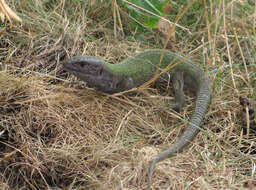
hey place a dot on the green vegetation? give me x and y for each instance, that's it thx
(145, 13)
(57, 133)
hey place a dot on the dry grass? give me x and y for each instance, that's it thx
(59, 134)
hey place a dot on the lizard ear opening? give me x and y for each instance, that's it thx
(124, 84)
(120, 84)
(100, 71)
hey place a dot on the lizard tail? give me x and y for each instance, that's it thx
(202, 102)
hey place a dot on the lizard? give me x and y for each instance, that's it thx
(140, 68)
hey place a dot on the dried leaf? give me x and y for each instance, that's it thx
(165, 27)
(5, 10)
(2, 16)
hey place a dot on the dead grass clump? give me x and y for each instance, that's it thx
(54, 133)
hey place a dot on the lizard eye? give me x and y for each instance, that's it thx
(81, 64)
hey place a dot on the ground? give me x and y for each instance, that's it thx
(57, 133)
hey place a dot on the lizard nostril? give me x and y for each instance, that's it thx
(251, 111)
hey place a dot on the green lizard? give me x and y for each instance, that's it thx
(140, 68)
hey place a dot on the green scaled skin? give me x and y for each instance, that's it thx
(138, 69)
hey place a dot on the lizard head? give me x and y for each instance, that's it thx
(96, 75)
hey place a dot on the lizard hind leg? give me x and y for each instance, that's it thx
(178, 85)
(177, 81)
